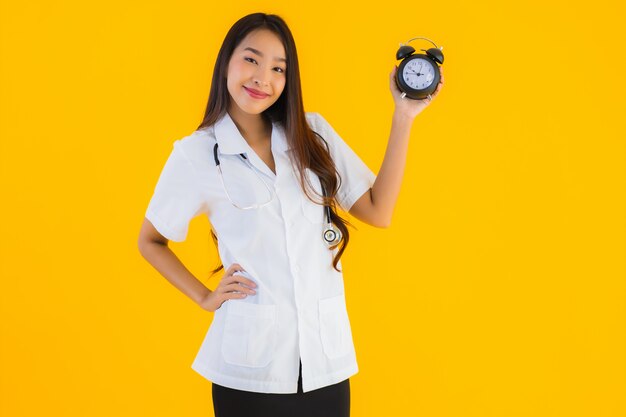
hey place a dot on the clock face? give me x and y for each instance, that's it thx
(418, 73)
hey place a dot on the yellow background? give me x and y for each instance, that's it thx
(499, 290)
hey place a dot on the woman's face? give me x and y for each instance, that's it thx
(258, 63)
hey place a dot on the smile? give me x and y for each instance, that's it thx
(255, 95)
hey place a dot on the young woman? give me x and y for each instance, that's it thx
(269, 176)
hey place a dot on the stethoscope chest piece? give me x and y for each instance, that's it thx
(332, 235)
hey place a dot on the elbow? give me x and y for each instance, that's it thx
(144, 245)
(141, 245)
(383, 225)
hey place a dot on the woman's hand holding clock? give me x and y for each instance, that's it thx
(407, 107)
(230, 287)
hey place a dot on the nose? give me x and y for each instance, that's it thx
(261, 78)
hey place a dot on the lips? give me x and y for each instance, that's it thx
(255, 93)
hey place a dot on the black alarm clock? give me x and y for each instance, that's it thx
(418, 74)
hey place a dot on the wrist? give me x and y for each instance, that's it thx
(402, 118)
(203, 296)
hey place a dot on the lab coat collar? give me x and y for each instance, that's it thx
(230, 141)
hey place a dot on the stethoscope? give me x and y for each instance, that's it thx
(331, 234)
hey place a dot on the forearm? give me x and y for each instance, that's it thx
(164, 260)
(386, 188)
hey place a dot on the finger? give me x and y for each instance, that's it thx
(233, 268)
(235, 277)
(238, 272)
(393, 72)
(226, 293)
(239, 288)
(232, 295)
(241, 279)
(393, 86)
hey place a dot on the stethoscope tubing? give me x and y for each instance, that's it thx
(331, 233)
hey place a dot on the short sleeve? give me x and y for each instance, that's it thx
(177, 197)
(356, 176)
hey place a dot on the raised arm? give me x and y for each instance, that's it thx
(376, 206)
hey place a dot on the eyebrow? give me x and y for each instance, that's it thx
(259, 53)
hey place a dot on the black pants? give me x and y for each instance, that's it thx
(329, 401)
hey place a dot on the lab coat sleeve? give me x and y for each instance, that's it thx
(356, 177)
(177, 197)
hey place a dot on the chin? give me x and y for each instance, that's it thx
(254, 109)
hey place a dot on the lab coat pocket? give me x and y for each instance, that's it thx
(249, 334)
(312, 211)
(335, 331)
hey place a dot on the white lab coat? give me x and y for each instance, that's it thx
(299, 310)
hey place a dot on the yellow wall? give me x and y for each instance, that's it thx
(498, 291)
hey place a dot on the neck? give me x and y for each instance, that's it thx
(253, 127)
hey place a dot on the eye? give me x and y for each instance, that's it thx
(247, 58)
